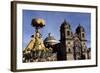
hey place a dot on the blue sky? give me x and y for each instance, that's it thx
(53, 21)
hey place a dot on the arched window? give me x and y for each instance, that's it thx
(68, 33)
(83, 35)
(69, 50)
(68, 42)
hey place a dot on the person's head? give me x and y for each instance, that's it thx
(38, 34)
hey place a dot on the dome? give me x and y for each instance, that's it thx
(65, 24)
(80, 29)
(50, 40)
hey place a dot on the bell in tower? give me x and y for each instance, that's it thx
(80, 31)
(66, 39)
(65, 31)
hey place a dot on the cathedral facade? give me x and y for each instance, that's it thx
(72, 45)
(74, 42)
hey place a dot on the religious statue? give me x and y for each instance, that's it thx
(36, 48)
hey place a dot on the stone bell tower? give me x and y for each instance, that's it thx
(80, 31)
(66, 39)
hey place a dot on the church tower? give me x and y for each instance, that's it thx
(80, 31)
(66, 39)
